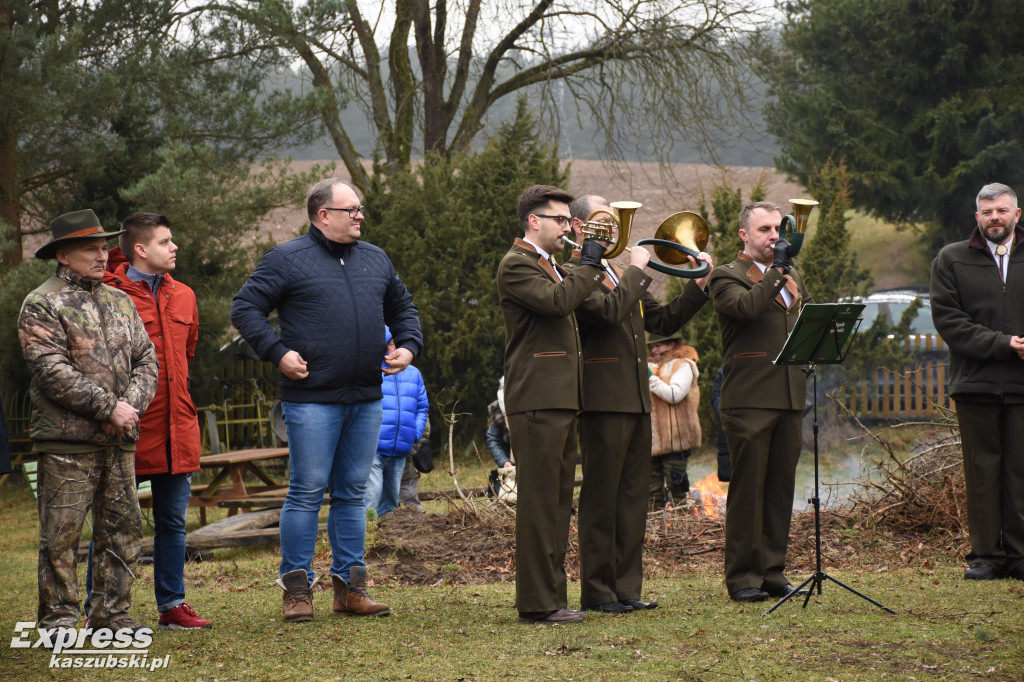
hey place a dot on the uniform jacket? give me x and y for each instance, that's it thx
(172, 323)
(332, 302)
(976, 314)
(405, 412)
(86, 348)
(543, 355)
(612, 328)
(675, 426)
(754, 323)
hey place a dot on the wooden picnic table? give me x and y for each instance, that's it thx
(233, 466)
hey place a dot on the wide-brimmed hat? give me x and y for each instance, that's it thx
(73, 227)
(677, 335)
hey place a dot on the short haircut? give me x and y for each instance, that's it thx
(537, 196)
(582, 206)
(749, 208)
(994, 190)
(138, 229)
(320, 194)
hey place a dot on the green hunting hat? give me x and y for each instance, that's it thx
(72, 227)
(655, 338)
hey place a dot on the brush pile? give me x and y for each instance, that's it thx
(921, 493)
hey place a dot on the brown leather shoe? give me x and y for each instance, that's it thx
(298, 596)
(352, 599)
(559, 617)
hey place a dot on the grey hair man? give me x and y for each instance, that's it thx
(977, 286)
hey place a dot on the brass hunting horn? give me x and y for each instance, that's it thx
(679, 235)
(612, 227)
(794, 226)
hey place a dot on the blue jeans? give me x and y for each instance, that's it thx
(170, 505)
(384, 483)
(331, 448)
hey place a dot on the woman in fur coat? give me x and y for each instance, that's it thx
(674, 423)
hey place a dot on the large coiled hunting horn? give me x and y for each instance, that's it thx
(679, 235)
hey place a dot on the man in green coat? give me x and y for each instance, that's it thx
(615, 427)
(543, 381)
(977, 300)
(757, 299)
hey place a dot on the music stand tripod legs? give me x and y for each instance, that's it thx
(819, 576)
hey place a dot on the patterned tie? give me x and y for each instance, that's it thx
(1001, 253)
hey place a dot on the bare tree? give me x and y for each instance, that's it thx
(650, 73)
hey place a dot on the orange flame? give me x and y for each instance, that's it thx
(709, 496)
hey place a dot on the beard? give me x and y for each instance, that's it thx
(997, 234)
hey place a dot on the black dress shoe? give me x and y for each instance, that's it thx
(749, 594)
(610, 607)
(980, 571)
(785, 590)
(559, 617)
(638, 605)
(1017, 572)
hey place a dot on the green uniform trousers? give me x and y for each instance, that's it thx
(764, 447)
(992, 437)
(616, 450)
(68, 485)
(546, 449)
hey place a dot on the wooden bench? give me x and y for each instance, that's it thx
(233, 466)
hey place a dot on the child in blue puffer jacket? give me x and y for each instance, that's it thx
(405, 416)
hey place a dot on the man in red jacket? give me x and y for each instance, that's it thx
(168, 449)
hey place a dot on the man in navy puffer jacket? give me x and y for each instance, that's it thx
(333, 294)
(405, 417)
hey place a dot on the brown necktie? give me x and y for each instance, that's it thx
(1000, 252)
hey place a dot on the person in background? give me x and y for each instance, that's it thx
(419, 458)
(977, 300)
(675, 426)
(405, 418)
(499, 443)
(94, 372)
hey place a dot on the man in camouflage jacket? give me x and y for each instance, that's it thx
(94, 371)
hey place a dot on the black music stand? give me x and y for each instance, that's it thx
(822, 336)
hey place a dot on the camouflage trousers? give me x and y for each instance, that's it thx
(668, 471)
(69, 485)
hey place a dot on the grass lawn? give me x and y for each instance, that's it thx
(946, 628)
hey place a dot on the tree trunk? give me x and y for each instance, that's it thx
(10, 209)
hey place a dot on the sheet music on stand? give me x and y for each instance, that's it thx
(822, 335)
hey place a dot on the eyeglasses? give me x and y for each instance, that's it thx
(351, 211)
(563, 221)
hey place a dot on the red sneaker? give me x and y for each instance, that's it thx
(182, 617)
